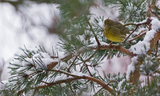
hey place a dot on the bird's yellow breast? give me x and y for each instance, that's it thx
(114, 31)
(112, 35)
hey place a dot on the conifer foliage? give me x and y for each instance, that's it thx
(84, 46)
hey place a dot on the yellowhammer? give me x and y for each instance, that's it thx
(114, 31)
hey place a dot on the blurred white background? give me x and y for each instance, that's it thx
(28, 27)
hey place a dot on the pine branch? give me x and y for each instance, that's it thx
(75, 77)
(97, 48)
(153, 42)
(117, 47)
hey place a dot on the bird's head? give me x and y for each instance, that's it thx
(108, 22)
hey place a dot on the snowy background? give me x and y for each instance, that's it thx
(27, 27)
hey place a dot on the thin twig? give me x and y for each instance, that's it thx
(154, 72)
(112, 81)
(84, 61)
(68, 70)
(71, 89)
(148, 80)
(81, 68)
(59, 71)
(130, 24)
(98, 92)
(93, 31)
(137, 25)
(69, 56)
(54, 56)
(91, 55)
(158, 88)
(44, 82)
(25, 76)
(137, 37)
(155, 14)
(103, 88)
(151, 8)
(34, 92)
(157, 49)
(85, 66)
(130, 34)
(88, 70)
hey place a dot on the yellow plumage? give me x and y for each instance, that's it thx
(114, 31)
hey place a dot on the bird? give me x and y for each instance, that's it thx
(115, 31)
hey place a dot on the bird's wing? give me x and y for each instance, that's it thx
(123, 29)
(115, 30)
